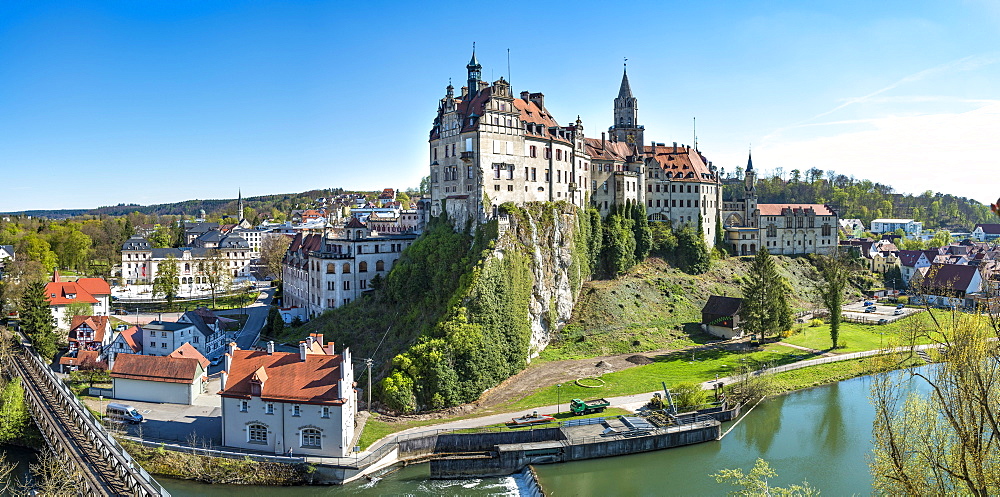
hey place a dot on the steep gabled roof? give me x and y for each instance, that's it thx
(288, 377)
(188, 351)
(989, 229)
(954, 277)
(100, 325)
(909, 258)
(723, 306)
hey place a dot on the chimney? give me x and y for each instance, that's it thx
(303, 350)
(602, 140)
(525, 95)
(228, 357)
(270, 347)
(55, 276)
(675, 147)
(465, 92)
(330, 350)
(538, 99)
(111, 361)
(222, 380)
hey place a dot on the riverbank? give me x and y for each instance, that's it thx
(217, 470)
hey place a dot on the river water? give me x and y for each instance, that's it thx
(822, 435)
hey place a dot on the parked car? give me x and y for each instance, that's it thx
(883, 321)
(897, 312)
(870, 309)
(216, 361)
(122, 413)
(900, 306)
(121, 312)
(868, 303)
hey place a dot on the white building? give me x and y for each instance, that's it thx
(325, 272)
(202, 329)
(141, 262)
(94, 292)
(289, 403)
(174, 378)
(126, 342)
(909, 226)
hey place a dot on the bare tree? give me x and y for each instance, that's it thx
(215, 271)
(272, 251)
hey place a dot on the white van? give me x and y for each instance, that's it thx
(122, 413)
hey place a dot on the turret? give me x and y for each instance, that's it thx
(475, 73)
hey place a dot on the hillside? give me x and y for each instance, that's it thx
(865, 200)
(656, 306)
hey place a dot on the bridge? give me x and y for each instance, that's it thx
(96, 460)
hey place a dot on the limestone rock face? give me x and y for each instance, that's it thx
(546, 233)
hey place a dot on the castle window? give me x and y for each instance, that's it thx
(311, 438)
(362, 267)
(330, 268)
(510, 171)
(379, 266)
(435, 154)
(346, 268)
(533, 151)
(468, 172)
(257, 433)
(533, 175)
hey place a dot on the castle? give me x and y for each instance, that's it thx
(489, 147)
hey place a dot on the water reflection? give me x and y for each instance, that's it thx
(830, 431)
(760, 434)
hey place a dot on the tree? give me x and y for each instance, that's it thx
(36, 320)
(75, 309)
(936, 428)
(162, 237)
(755, 483)
(215, 271)
(833, 270)
(765, 297)
(272, 252)
(167, 281)
(692, 252)
(14, 415)
(643, 235)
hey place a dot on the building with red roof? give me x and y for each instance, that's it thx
(785, 229)
(89, 333)
(94, 292)
(300, 403)
(126, 342)
(174, 379)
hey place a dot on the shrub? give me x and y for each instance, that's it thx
(814, 322)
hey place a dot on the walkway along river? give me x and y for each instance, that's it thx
(821, 434)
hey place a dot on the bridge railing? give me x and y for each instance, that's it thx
(126, 467)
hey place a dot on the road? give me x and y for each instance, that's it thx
(247, 337)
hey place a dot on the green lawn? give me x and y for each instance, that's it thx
(855, 337)
(671, 368)
(829, 373)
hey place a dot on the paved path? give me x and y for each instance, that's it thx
(635, 401)
(247, 337)
(807, 349)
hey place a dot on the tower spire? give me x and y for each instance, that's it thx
(475, 73)
(625, 91)
(239, 203)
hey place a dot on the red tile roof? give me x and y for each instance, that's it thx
(95, 286)
(85, 359)
(156, 368)
(187, 350)
(778, 209)
(58, 293)
(681, 164)
(99, 324)
(286, 377)
(133, 337)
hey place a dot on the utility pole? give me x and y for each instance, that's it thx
(368, 362)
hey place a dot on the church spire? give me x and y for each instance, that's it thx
(750, 161)
(625, 91)
(239, 203)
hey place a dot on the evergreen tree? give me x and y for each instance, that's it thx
(643, 235)
(833, 269)
(692, 252)
(720, 237)
(596, 238)
(619, 244)
(36, 320)
(765, 297)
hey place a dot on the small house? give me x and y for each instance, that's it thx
(721, 316)
(170, 379)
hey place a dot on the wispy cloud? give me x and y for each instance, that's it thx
(969, 63)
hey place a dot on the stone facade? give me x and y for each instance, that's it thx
(323, 272)
(488, 147)
(785, 229)
(141, 262)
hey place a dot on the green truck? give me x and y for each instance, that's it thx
(578, 406)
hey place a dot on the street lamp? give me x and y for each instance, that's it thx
(558, 398)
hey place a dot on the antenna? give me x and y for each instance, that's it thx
(508, 65)
(694, 130)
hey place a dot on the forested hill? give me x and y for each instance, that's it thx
(265, 204)
(866, 200)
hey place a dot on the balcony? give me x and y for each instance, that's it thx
(467, 156)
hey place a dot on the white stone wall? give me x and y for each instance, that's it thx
(284, 428)
(156, 391)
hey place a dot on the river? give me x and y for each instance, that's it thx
(821, 434)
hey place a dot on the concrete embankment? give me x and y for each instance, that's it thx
(488, 454)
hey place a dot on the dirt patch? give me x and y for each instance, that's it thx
(639, 360)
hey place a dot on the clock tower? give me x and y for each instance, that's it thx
(626, 126)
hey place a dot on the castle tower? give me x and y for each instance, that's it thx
(475, 73)
(750, 193)
(239, 204)
(626, 125)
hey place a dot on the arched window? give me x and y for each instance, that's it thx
(380, 266)
(330, 268)
(362, 267)
(187, 267)
(347, 268)
(257, 433)
(312, 438)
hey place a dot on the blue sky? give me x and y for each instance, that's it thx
(149, 102)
